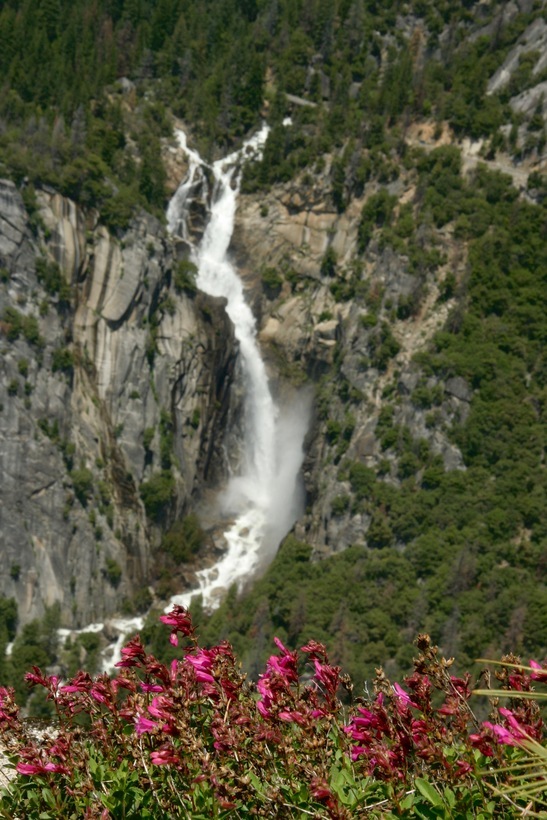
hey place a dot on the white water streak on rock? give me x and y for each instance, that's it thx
(267, 480)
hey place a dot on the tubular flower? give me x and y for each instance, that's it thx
(403, 699)
(164, 756)
(179, 618)
(81, 683)
(8, 708)
(539, 673)
(37, 678)
(132, 653)
(291, 716)
(161, 707)
(144, 724)
(203, 665)
(41, 768)
(328, 675)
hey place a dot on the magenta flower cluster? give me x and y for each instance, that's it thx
(197, 730)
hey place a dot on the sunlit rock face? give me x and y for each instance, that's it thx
(87, 368)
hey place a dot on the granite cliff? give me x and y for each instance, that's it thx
(111, 376)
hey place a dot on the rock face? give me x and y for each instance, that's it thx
(330, 323)
(109, 376)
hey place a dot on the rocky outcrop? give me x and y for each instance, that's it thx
(109, 376)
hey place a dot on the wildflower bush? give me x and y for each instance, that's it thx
(196, 739)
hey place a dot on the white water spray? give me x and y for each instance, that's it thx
(264, 496)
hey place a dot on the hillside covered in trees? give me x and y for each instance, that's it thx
(417, 130)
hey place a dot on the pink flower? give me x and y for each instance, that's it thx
(8, 708)
(463, 768)
(37, 678)
(502, 734)
(81, 683)
(291, 717)
(518, 731)
(320, 789)
(160, 707)
(102, 693)
(179, 618)
(151, 687)
(403, 697)
(281, 646)
(315, 650)
(132, 653)
(540, 672)
(164, 756)
(328, 675)
(285, 666)
(483, 744)
(126, 683)
(203, 665)
(143, 724)
(41, 768)
(29, 768)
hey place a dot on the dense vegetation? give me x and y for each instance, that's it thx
(65, 118)
(195, 739)
(460, 553)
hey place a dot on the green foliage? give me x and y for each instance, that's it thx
(22, 367)
(183, 540)
(63, 360)
(19, 325)
(272, 281)
(82, 481)
(382, 346)
(49, 274)
(377, 212)
(184, 277)
(328, 263)
(113, 572)
(35, 644)
(157, 493)
(148, 437)
(166, 439)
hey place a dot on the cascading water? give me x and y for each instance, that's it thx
(264, 497)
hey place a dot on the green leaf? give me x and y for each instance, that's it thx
(429, 792)
(450, 797)
(408, 802)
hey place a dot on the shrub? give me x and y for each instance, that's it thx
(157, 493)
(50, 275)
(184, 539)
(377, 211)
(147, 437)
(340, 504)
(82, 479)
(184, 277)
(17, 324)
(196, 739)
(113, 572)
(272, 281)
(63, 360)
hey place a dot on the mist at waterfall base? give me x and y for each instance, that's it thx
(264, 495)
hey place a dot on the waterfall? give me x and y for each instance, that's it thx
(265, 494)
